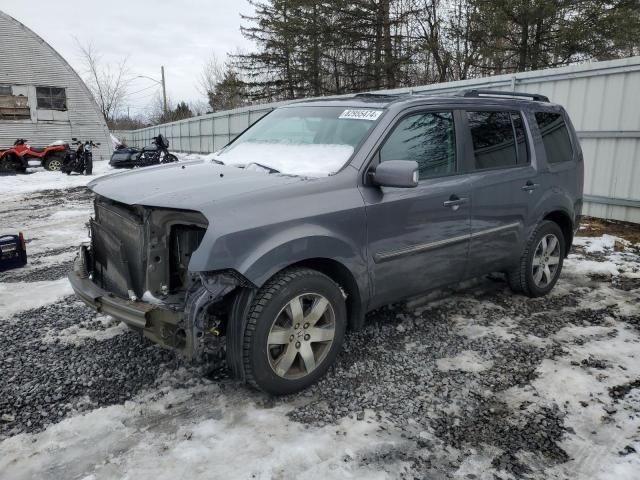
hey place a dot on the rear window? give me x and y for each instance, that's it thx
(555, 137)
(493, 136)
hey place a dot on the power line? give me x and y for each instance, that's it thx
(142, 90)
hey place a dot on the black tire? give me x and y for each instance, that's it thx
(169, 158)
(267, 307)
(6, 165)
(521, 277)
(88, 168)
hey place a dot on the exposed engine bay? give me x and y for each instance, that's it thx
(141, 255)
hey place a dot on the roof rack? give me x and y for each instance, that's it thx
(375, 95)
(478, 92)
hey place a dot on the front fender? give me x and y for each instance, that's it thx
(260, 255)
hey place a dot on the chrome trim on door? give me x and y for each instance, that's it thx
(501, 228)
(419, 248)
(424, 247)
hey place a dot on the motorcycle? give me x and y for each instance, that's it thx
(80, 161)
(17, 157)
(124, 157)
(156, 153)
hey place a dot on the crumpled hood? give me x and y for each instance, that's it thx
(185, 185)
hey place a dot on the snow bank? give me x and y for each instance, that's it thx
(200, 433)
(305, 160)
(19, 296)
(41, 179)
(599, 244)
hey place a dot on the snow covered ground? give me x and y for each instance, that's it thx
(480, 384)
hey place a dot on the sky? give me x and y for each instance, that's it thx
(179, 34)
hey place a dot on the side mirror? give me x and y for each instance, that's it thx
(396, 173)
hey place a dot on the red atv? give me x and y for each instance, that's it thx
(17, 157)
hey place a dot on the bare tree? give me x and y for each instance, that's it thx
(108, 82)
(212, 73)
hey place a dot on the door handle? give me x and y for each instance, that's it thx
(455, 202)
(530, 186)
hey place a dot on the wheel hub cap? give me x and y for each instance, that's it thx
(301, 336)
(546, 260)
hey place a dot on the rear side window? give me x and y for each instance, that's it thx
(493, 136)
(427, 138)
(555, 137)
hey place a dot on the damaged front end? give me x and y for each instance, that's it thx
(136, 270)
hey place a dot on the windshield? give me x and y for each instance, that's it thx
(308, 141)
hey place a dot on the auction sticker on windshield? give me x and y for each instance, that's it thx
(361, 114)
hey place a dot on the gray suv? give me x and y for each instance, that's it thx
(324, 210)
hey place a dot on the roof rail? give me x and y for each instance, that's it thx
(478, 92)
(378, 94)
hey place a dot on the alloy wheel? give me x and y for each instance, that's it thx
(301, 336)
(546, 259)
(54, 165)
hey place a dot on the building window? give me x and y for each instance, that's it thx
(13, 107)
(51, 98)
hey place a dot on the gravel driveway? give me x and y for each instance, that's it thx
(476, 383)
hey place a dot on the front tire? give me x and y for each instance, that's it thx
(169, 158)
(294, 331)
(541, 262)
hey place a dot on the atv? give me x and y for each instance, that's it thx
(17, 157)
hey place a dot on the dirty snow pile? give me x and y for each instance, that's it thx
(480, 383)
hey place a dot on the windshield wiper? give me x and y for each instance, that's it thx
(271, 169)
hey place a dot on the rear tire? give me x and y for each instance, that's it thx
(541, 262)
(295, 329)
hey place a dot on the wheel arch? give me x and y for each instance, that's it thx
(340, 274)
(564, 221)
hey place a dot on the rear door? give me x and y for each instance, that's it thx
(504, 186)
(418, 238)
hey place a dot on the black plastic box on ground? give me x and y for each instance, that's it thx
(13, 252)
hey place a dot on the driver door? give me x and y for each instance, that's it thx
(418, 238)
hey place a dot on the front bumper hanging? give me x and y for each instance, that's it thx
(158, 323)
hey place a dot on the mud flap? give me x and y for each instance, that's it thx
(235, 330)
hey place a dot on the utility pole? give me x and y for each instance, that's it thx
(164, 90)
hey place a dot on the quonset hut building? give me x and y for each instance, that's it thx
(42, 98)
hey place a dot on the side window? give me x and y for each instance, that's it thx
(427, 138)
(493, 138)
(555, 137)
(521, 138)
(51, 98)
